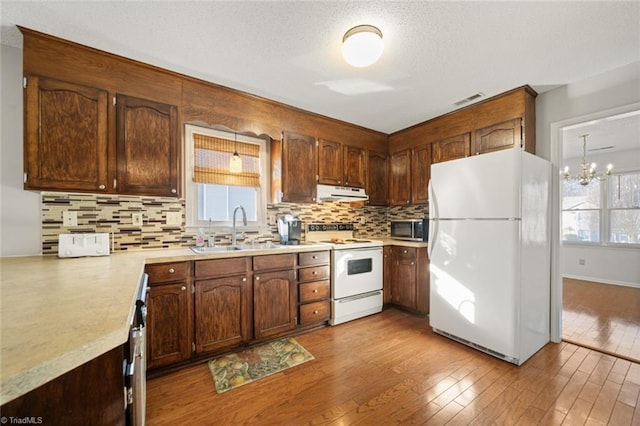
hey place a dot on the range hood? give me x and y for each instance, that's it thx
(340, 193)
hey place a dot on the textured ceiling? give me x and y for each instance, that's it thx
(436, 53)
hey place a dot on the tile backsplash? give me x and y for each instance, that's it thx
(113, 214)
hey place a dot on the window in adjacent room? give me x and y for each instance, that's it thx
(212, 190)
(606, 212)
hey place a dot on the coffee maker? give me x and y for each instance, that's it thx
(290, 229)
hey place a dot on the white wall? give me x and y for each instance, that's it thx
(19, 210)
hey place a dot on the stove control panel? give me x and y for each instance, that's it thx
(326, 227)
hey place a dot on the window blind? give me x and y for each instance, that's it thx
(211, 161)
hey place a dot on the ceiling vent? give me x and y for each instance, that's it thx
(601, 149)
(469, 99)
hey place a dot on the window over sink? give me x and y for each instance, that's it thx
(212, 189)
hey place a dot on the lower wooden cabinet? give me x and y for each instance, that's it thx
(274, 303)
(169, 324)
(314, 288)
(222, 313)
(409, 276)
(169, 314)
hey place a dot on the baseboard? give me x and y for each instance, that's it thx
(602, 281)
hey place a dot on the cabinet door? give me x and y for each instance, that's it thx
(378, 179)
(65, 136)
(329, 163)
(387, 275)
(274, 303)
(403, 290)
(400, 178)
(299, 165)
(498, 136)
(147, 145)
(420, 170)
(354, 166)
(222, 313)
(451, 148)
(169, 324)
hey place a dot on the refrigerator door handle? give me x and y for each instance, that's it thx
(433, 227)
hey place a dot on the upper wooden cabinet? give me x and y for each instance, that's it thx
(341, 165)
(420, 172)
(298, 164)
(451, 148)
(377, 178)
(65, 142)
(68, 141)
(148, 147)
(498, 136)
(400, 187)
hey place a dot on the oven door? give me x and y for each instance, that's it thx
(356, 271)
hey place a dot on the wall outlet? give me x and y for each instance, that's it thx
(69, 218)
(136, 219)
(174, 218)
(581, 262)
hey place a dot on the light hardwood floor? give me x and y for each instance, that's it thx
(602, 316)
(391, 369)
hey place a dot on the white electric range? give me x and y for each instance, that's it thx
(356, 271)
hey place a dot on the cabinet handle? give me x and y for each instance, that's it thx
(183, 288)
(101, 187)
(171, 270)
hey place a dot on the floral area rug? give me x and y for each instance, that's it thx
(237, 369)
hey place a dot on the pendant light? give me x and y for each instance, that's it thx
(362, 45)
(235, 164)
(588, 172)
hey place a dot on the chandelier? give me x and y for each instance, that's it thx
(588, 172)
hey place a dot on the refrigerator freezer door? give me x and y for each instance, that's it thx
(482, 186)
(474, 290)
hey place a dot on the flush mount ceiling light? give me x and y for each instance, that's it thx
(362, 45)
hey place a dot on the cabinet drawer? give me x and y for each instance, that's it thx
(313, 258)
(316, 290)
(274, 261)
(313, 273)
(312, 313)
(405, 254)
(223, 267)
(168, 272)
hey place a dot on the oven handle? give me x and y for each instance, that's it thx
(359, 296)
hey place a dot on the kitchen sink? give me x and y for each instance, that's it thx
(246, 247)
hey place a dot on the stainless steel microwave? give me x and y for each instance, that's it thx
(412, 230)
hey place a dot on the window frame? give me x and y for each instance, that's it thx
(191, 188)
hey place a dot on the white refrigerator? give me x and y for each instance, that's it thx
(489, 252)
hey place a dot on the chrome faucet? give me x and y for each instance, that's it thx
(244, 222)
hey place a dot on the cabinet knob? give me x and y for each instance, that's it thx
(183, 288)
(413, 263)
(173, 190)
(102, 187)
(171, 270)
(404, 251)
(257, 278)
(314, 257)
(315, 290)
(244, 280)
(314, 272)
(315, 312)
